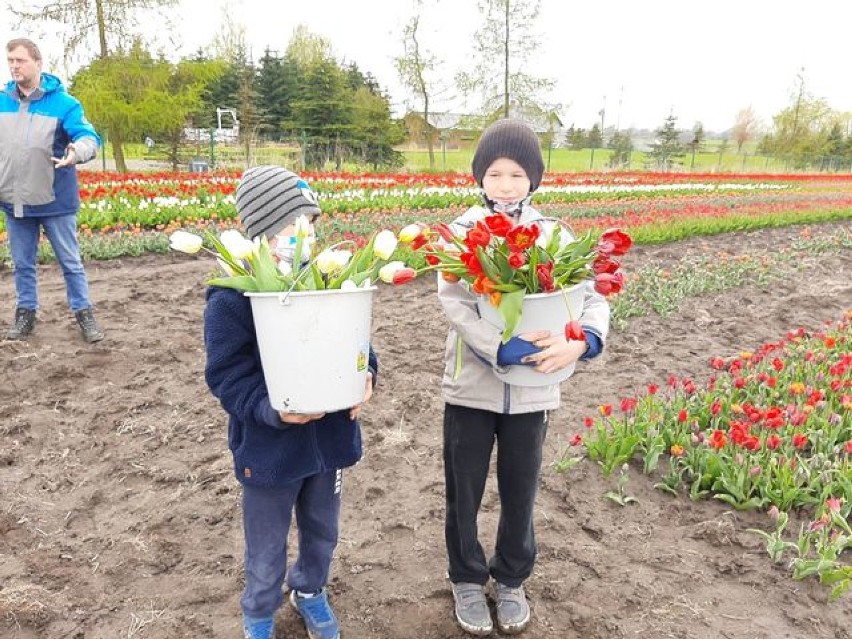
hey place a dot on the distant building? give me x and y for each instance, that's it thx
(454, 129)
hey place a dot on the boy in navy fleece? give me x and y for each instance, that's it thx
(284, 461)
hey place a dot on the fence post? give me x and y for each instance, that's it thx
(212, 154)
(303, 143)
(444, 136)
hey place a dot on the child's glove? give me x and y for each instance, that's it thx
(514, 351)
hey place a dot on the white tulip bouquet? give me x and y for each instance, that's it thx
(254, 266)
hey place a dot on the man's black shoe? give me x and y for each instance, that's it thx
(25, 321)
(89, 326)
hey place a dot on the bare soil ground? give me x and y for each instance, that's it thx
(120, 517)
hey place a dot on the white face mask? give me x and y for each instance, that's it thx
(511, 209)
(508, 208)
(285, 248)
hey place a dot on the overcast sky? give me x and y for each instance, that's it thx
(640, 59)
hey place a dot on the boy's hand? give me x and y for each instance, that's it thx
(535, 336)
(556, 353)
(299, 418)
(368, 393)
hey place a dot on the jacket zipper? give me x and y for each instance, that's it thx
(507, 397)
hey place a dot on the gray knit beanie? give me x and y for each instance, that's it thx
(270, 198)
(509, 139)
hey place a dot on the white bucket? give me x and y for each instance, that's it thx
(314, 346)
(541, 311)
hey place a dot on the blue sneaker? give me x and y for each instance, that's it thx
(318, 616)
(259, 628)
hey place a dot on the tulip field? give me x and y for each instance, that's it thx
(132, 213)
(697, 480)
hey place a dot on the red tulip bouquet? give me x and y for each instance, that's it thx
(506, 262)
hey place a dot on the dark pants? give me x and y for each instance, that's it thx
(469, 436)
(266, 522)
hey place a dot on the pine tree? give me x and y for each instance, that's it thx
(667, 152)
(622, 147)
(271, 93)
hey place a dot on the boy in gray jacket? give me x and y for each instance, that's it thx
(481, 409)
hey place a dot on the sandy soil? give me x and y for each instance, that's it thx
(119, 514)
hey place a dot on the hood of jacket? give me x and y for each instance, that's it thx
(49, 84)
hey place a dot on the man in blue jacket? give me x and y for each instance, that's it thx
(43, 134)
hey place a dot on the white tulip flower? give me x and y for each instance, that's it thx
(348, 285)
(303, 226)
(185, 242)
(225, 267)
(285, 268)
(238, 246)
(384, 244)
(387, 272)
(332, 260)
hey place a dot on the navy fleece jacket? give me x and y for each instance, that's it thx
(267, 452)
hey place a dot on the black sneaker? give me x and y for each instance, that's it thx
(89, 326)
(25, 321)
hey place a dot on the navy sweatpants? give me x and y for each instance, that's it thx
(267, 514)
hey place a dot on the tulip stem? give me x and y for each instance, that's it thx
(567, 305)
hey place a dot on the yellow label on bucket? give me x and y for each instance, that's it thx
(363, 358)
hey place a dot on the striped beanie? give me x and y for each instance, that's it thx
(511, 139)
(270, 198)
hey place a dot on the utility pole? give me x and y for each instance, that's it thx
(600, 113)
(618, 113)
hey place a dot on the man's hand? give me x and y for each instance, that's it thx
(368, 393)
(69, 159)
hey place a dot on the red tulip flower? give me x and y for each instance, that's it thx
(617, 239)
(404, 275)
(718, 439)
(471, 261)
(520, 238)
(517, 260)
(499, 225)
(544, 272)
(609, 283)
(479, 235)
(445, 232)
(604, 264)
(574, 332)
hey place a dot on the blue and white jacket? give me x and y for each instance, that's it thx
(32, 130)
(267, 452)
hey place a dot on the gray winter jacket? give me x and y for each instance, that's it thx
(32, 130)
